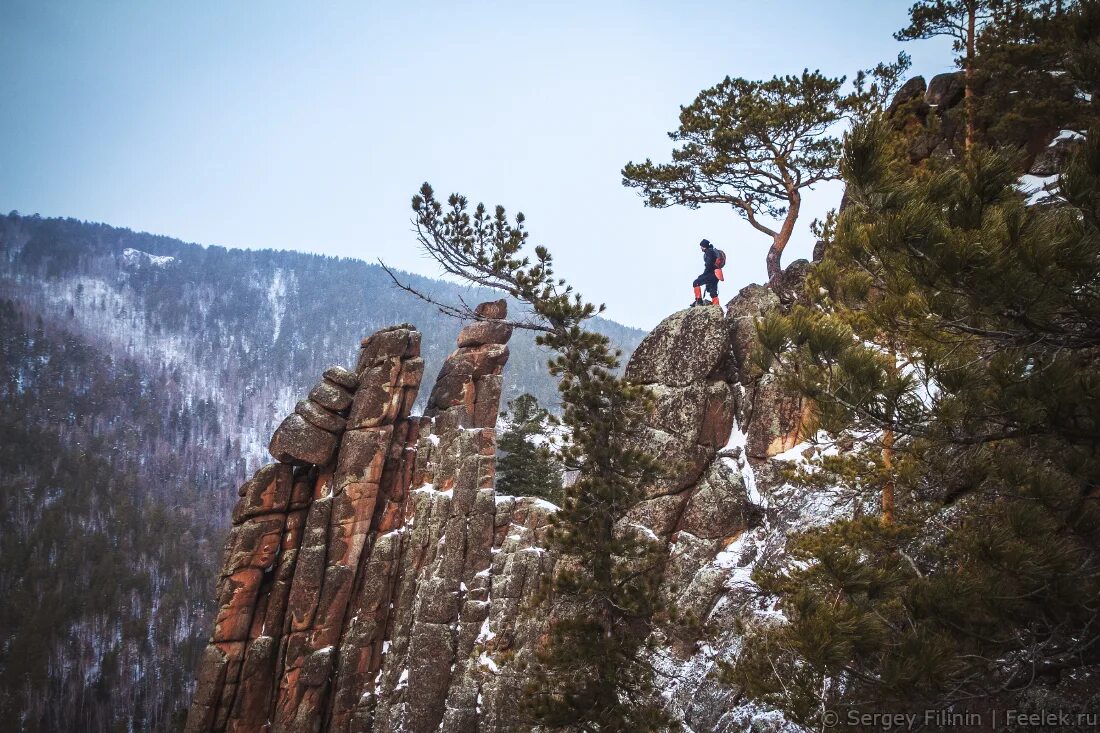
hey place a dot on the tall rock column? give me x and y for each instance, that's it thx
(239, 668)
(443, 579)
(389, 373)
(685, 362)
(300, 528)
(347, 600)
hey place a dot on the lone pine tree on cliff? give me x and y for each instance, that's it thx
(751, 145)
(594, 673)
(757, 145)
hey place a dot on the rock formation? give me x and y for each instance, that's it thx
(374, 580)
(925, 110)
(354, 559)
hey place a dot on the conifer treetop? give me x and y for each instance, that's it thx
(756, 145)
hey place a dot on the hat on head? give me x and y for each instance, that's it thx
(704, 243)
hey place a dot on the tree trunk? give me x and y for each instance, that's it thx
(888, 456)
(779, 241)
(968, 72)
(888, 487)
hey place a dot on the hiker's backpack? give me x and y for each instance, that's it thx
(719, 263)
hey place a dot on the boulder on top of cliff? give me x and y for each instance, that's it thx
(389, 343)
(342, 377)
(296, 440)
(493, 309)
(481, 353)
(945, 90)
(480, 333)
(684, 348)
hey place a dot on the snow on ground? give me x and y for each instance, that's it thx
(805, 508)
(543, 504)
(740, 465)
(787, 509)
(486, 661)
(485, 634)
(118, 320)
(430, 489)
(1066, 135)
(1037, 188)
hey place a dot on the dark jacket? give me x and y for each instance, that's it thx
(710, 255)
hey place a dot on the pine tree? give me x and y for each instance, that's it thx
(753, 146)
(987, 581)
(593, 673)
(1024, 69)
(757, 145)
(1017, 59)
(527, 466)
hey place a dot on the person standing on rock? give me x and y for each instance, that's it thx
(714, 260)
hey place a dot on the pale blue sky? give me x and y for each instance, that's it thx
(309, 126)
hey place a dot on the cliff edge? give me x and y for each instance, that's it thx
(375, 581)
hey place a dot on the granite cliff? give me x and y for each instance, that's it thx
(375, 581)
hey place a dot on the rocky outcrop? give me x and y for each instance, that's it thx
(356, 573)
(945, 90)
(685, 362)
(292, 560)
(772, 418)
(375, 581)
(932, 115)
(685, 348)
(911, 91)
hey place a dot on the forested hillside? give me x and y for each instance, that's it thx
(105, 553)
(139, 380)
